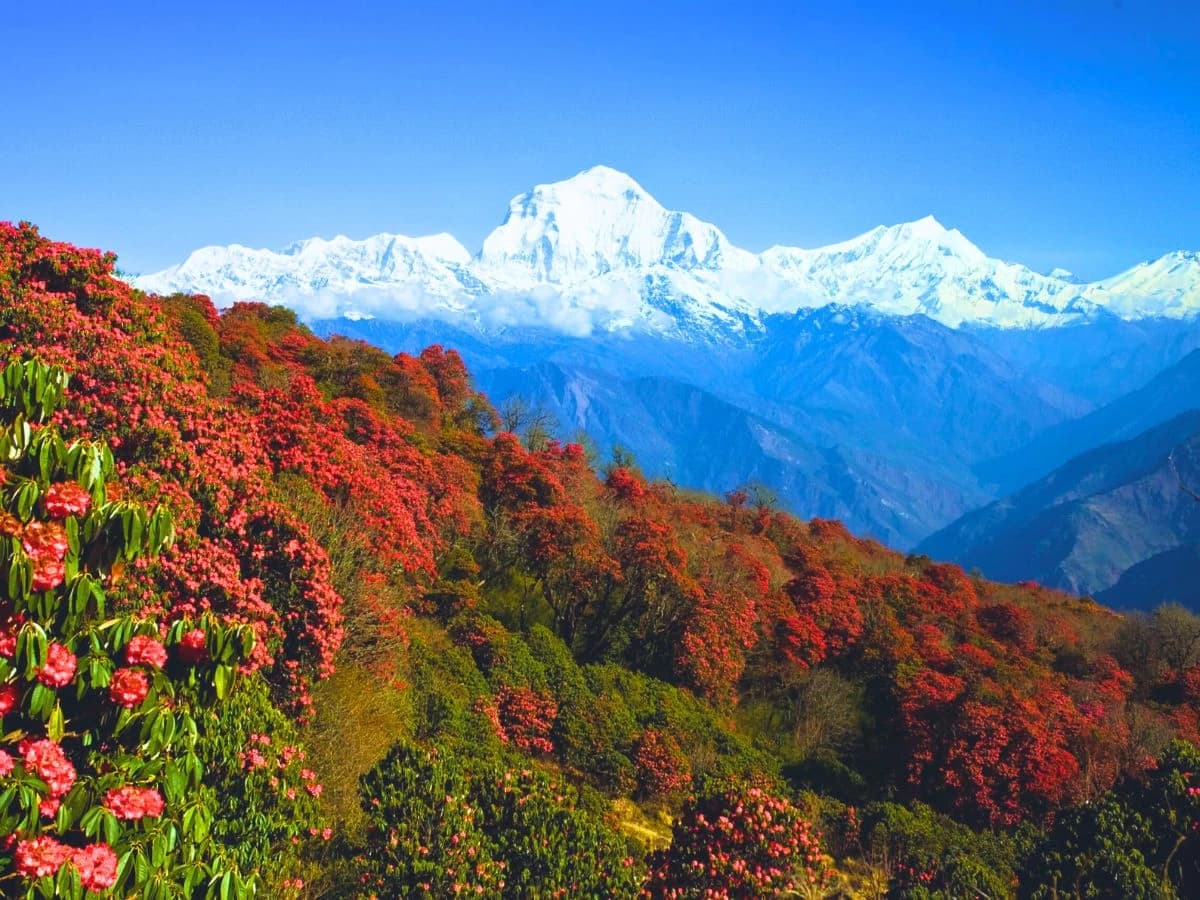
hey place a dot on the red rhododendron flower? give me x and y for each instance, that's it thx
(193, 646)
(48, 575)
(8, 698)
(40, 857)
(59, 668)
(6, 763)
(67, 499)
(147, 651)
(131, 803)
(97, 865)
(47, 760)
(129, 687)
(45, 541)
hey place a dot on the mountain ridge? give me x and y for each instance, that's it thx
(597, 253)
(1086, 523)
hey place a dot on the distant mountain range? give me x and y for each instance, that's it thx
(899, 380)
(1088, 523)
(597, 253)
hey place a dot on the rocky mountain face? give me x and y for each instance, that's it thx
(1088, 523)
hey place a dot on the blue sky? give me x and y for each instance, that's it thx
(1049, 133)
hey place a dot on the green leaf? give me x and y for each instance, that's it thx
(223, 680)
(56, 725)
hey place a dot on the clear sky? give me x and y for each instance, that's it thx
(1049, 133)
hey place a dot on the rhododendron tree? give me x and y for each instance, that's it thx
(738, 843)
(662, 769)
(101, 788)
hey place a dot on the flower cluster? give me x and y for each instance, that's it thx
(47, 760)
(42, 856)
(66, 499)
(46, 545)
(129, 687)
(143, 650)
(132, 803)
(59, 669)
(739, 844)
(193, 646)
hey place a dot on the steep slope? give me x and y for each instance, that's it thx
(1088, 522)
(487, 625)
(1167, 577)
(1170, 393)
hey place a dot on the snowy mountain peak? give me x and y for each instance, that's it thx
(926, 227)
(929, 231)
(598, 222)
(1167, 286)
(600, 181)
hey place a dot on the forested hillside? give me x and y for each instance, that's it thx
(293, 617)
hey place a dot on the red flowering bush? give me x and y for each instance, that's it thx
(139, 389)
(527, 718)
(662, 769)
(738, 843)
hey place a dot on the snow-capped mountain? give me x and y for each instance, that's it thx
(597, 253)
(319, 277)
(599, 222)
(1167, 286)
(924, 268)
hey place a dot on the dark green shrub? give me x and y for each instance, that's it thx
(930, 855)
(444, 826)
